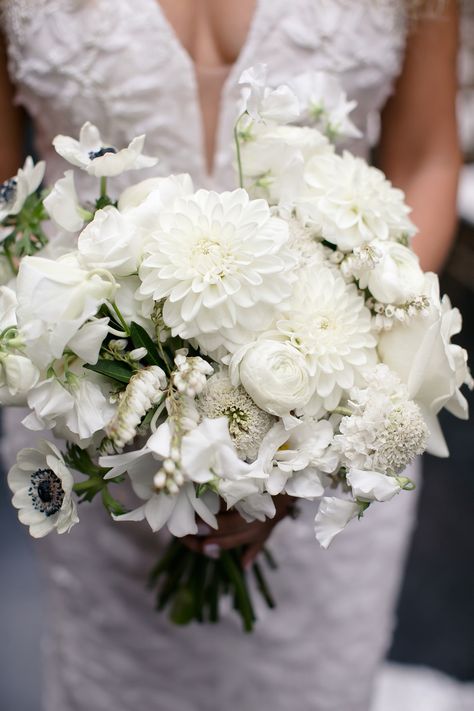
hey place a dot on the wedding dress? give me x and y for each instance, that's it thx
(120, 65)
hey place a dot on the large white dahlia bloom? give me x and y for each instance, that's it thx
(221, 263)
(328, 322)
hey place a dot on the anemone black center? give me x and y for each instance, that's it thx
(8, 191)
(101, 152)
(46, 491)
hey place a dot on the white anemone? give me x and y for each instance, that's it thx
(13, 192)
(221, 263)
(42, 490)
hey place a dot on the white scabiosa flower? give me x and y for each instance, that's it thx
(386, 430)
(221, 264)
(144, 390)
(353, 203)
(333, 516)
(42, 490)
(63, 205)
(328, 323)
(101, 159)
(13, 192)
(247, 423)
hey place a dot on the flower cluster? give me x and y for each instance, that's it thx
(210, 348)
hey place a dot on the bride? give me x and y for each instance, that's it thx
(170, 69)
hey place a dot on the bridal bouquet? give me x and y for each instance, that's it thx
(212, 351)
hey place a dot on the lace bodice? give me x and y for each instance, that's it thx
(120, 65)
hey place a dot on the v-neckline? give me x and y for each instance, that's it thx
(235, 69)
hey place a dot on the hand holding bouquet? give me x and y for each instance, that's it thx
(219, 350)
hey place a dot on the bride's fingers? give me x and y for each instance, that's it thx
(251, 553)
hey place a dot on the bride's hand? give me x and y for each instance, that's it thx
(234, 531)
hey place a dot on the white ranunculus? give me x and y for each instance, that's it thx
(110, 242)
(222, 266)
(42, 490)
(323, 103)
(13, 192)
(17, 376)
(263, 103)
(98, 158)
(353, 203)
(421, 353)
(63, 205)
(274, 374)
(333, 516)
(372, 486)
(55, 298)
(397, 277)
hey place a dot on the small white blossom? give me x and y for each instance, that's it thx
(263, 103)
(98, 158)
(13, 192)
(63, 205)
(42, 488)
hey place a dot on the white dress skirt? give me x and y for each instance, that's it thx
(123, 68)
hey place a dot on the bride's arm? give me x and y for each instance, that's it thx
(419, 147)
(11, 123)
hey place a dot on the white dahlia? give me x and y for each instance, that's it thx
(353, 203)
(329, 323)
(222, 266)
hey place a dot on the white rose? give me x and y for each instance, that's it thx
(433, 368)
(274, 374)
(397, 277)
(110, 242)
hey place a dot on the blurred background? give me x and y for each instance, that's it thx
(431, 662)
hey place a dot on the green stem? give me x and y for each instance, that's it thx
(237, 150)
(121, 319)
(103, 187)
(8, 255)
(236, 577)
(262, 586)
(342, 411)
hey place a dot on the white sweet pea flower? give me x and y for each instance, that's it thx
(262, 103)
(63, 204)
(421, 353)
(208, 452)
(42, 490)
(274, 374)
(142, 203)
(132, 308)
(111, 242)
(97, 158)
(333, 516)
(13, 192)
(324, 104)
(372, 486)
(56, 298)
(396, 277)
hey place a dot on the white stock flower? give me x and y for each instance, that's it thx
(372, 486)
(55, 298)
(396, 277)
(274, 159)
(221, 264)
(333, 516)
(353, 203)
(97, 158)
(248, 424)
(328, 322)
(42, 490)
(421, 353)
(63, 205)
(274, 374)
(110, 242)
(263, 103)
(13, 192)
(323, 103)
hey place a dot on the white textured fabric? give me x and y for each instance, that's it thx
(119, 65)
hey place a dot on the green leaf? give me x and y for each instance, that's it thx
(112, 369)
(141, 339)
